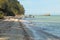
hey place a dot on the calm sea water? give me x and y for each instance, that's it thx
(50, 24)
(45, 19)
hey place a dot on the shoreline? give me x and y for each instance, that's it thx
(20, 25)
(28, 32)
(49, 34)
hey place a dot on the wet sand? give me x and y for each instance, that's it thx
(16, 29)
(12, 29)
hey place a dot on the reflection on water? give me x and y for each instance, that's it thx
(49, 24)
(49, 27)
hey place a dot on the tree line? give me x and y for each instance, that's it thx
(11, 8)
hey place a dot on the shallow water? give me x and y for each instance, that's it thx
(44, 19)
(50, 24)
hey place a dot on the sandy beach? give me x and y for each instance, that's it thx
(11, 28)
(18, 29)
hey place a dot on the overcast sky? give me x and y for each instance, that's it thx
(39, 7)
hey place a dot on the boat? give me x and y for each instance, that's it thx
(48, 14)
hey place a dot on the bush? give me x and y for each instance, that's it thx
(11, 7)
(1, 15)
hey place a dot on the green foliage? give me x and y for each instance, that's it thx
(11, 7)
(1, 15)
(22, 9)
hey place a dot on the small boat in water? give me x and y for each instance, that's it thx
(48, 14)
(29, 16)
